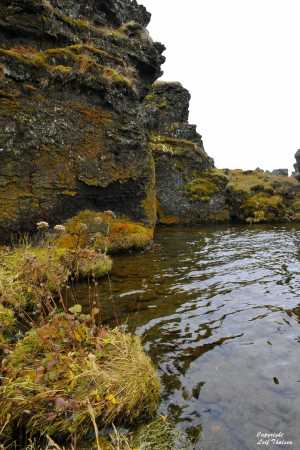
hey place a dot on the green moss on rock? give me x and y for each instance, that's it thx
(205, 186)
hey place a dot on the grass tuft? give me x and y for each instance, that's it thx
(59, 371)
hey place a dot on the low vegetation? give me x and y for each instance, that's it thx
(32, 277)
(104, 232)
(174, 146)
(66, 374)
(63, 377)
(258, 196)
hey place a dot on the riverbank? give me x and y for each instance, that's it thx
(64, 376)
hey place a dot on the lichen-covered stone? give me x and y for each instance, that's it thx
(72, 133)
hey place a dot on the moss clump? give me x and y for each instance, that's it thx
(105, 232)
(205, 186)
(64, 373)
(262, 207)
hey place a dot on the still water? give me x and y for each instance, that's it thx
(218, 310)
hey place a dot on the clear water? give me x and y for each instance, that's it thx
(218, 310)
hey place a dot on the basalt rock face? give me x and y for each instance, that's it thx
(72, 124)
(297, 165)
(181, 161)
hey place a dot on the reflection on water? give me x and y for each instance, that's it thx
(219, 313)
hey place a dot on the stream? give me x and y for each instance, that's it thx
(218, 310)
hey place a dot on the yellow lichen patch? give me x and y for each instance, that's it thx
(169, 220)
(65, 373)
(165, 219)
(105, 232)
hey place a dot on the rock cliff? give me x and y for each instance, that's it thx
(181, 161)
(72, 132)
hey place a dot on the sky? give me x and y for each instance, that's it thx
(240, 59)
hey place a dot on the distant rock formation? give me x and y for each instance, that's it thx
(297, 165)
(281, 172)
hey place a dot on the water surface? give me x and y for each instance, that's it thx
(218, 310)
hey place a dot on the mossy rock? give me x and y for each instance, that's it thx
(104, 231)
(203, 187)
(65, 373)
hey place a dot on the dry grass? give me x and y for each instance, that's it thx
(62, 369)
(31, 278)
(160, 434)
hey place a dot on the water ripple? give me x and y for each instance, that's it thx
(219, 312)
